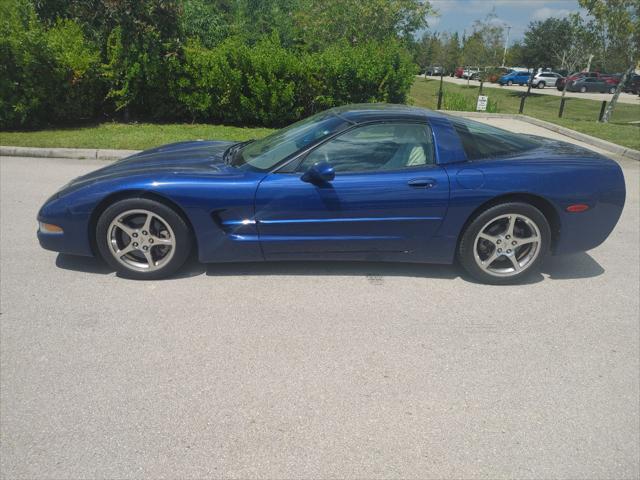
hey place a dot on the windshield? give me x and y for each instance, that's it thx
(266, 153)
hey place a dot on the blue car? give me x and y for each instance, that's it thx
(364, 182)
(515, 77)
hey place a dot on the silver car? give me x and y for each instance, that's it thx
(545, 79)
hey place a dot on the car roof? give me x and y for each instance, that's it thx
(372, 112)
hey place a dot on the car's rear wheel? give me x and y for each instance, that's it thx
(505, 243)
(509, 83)
(143, 239)
(583, 89)
(541, 85)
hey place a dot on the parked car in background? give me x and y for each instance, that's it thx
(545, 79)
(612, 79)
(632, 85)
(560, 84)
(434, 70)
(515, 77)
(469, 72)
(458, 72)
(494, 74)
(591, 84)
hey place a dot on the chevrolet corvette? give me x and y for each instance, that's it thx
(371, 182)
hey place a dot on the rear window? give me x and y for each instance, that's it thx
(484, 141)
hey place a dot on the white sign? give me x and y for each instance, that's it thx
(482, 103)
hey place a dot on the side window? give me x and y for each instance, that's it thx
(484, 141)
(388, 146)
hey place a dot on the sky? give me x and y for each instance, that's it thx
(459, 15)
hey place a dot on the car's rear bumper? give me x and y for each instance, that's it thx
(584, 231)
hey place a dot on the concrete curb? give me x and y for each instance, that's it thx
(567, 132)
(105, 154)
(76, 153)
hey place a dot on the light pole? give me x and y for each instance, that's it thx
(506, 44)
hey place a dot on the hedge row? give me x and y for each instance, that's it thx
(56, 75)
(268, 85)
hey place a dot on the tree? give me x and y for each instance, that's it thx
(545, 43)
(325, 22)
(516, 54)
(204, 21)
(428, 51)
(142, 43)
(485, 44)
(619, 20)
(451, 51)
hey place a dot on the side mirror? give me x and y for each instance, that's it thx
(319, 172)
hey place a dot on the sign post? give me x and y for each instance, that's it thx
(482, 103)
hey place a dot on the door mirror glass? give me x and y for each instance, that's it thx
(319, 172)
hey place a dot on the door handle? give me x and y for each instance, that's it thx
(422, 183)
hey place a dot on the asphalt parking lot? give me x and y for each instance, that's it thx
(313, 370)
(623, 98)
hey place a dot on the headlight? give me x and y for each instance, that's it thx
(49, 228)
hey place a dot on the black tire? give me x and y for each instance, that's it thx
(181, 237)
(509, 83)
(542, 85)
(583, 89)
(466, 253)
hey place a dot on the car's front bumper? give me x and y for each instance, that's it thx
(74, 238)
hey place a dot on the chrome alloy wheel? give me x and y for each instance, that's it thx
(507, 245)
(141, 240)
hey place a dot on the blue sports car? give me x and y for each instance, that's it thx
(361, 182)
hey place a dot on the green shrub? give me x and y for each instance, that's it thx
(77, 62)
(46, 76)
(269, 85)
(139, 71)
(143, 70)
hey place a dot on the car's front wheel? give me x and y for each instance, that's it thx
(143, 239)
(542, 85)
(505, 243)
(509, 83)
(583, 89)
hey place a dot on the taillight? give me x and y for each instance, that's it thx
(577, 208)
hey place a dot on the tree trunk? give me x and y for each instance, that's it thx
(612, 104)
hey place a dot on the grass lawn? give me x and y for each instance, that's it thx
(579, 114)
(127, 136)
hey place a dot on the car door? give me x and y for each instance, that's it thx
(593, 84)
(387, 199)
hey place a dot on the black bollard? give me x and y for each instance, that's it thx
(526, 94)
(440, 91)
(602, 108)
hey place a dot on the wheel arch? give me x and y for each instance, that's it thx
(542, 204)
(133, 193)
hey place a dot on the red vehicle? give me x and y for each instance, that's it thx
(611, 79)
(458, 72)
(560, 84)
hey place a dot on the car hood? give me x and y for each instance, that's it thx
(174, 157)
(197, 156)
